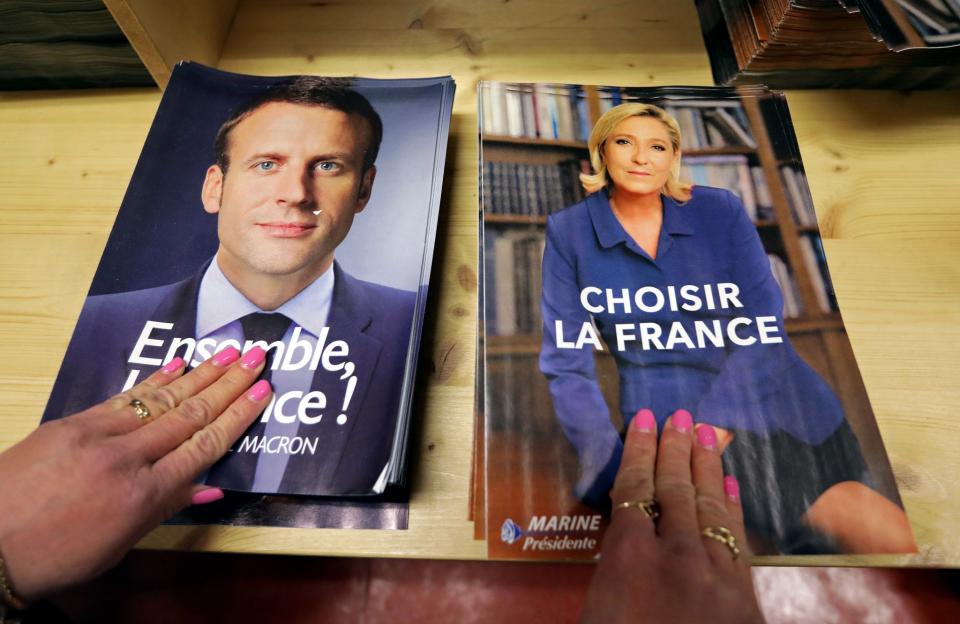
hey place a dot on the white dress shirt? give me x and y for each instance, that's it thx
(220, 307)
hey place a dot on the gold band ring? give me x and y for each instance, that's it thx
(143, 413)
(725, 537)
(650, 508)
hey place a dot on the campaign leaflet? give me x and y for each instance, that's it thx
(726, 312)
(299, 214)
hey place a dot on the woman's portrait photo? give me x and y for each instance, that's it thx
(682, 283)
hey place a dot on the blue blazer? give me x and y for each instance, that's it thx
(709, 239)
(374, 320)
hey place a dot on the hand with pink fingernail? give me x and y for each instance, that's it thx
(78, 492)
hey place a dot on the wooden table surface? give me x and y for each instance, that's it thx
(882, 167)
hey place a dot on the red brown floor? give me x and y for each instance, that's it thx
(186, 588)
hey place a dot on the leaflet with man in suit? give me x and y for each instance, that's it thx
(297, 214)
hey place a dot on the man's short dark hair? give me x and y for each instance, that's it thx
(332, 93)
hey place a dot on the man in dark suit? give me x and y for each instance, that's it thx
(293, 167)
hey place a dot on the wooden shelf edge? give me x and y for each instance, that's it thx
(528, 141)
(499, 217)
(514, 219)
(719, 151)
(163, 35)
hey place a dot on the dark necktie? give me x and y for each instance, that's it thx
(238, 470)
(266, 327)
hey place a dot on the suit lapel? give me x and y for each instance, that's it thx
(179, 308)
(348, 319)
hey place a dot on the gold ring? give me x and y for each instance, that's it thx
(649, 507)
(725, 537)
(143, 413)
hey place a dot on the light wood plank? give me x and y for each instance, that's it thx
(164, 33)
(882, 167)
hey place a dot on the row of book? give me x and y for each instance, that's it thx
(905, 44)
(512, 188)
(792, 304)
(815, 263)
(736, 174)
(512, 261)
(556, 112)
(798, 196)
(531, 189)
(562, 113)
(815, 260)
(712, 124)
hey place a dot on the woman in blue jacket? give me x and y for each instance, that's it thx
(675, 280)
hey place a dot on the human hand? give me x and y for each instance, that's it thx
(78, 492)
(667, 570)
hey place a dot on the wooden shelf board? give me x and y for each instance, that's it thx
(531, 142)
(889, 235)
(500, 218)
(720, 151)
(514, 219)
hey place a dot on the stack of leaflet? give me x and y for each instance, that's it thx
(902, 44)
(524, 498)
(65, 44)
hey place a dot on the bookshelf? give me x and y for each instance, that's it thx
(782, 222)
(892, 242)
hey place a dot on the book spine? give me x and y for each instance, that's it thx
(764, 199)
(565, 113)
(486, 109)
(816, 276)
(498, 108)
(529, 113)
(747, 194)
(544, 115)
(583, 116)
(506, 312)
(514, 112)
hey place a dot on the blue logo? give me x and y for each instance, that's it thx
(510, 531)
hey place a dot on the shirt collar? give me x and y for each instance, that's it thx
(611, 233)
(220, 303)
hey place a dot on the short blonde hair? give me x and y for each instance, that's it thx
(674, 188)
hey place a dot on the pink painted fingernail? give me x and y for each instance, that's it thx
(253, 358)
(226, 357)
(259, 390)
(707, 437)
(173, 365)
(207, 496)
(644, 421)
(682, 420)
(731, 488)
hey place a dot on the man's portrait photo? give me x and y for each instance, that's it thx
(297, 214)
